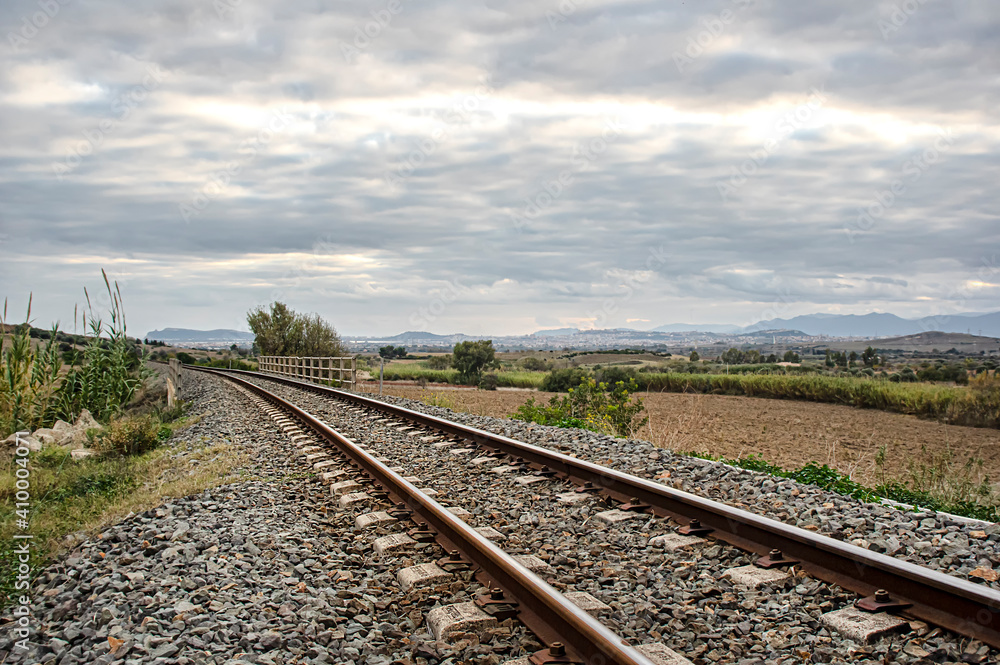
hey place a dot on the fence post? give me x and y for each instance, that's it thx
(173, 381)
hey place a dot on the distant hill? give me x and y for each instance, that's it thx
(885, 325)
(928, 341)
(418, 336)
(723, 328)
(557, 332)
(188, 336)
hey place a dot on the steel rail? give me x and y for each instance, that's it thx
(544, 610)
(950, 602)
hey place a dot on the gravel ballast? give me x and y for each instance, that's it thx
(681, 598)
(259, 571)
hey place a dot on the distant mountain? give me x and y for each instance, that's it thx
(723, 328)
(885, 325)
(186, 335)
(418, 336)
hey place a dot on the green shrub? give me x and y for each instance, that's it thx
(488, 382)
(439, 362)
(561, 380)
(614, 374)
(132, 435)
(533, 364)
(590, 405)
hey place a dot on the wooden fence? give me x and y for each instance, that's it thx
(317, 370)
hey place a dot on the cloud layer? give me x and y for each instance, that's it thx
(498, 167)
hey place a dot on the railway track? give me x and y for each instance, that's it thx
(888, 586)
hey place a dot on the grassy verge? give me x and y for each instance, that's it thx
(511, 379)
(944, 485)
(80, 497)
(977, 405)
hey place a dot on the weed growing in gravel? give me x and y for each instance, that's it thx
(942, 485)
(132, 435)
(439, 400)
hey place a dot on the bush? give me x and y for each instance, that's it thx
(488, 382)
(590, 405)
(130, 436)
(614, 374)
(533, 364)
(561, 380)
(439, 362)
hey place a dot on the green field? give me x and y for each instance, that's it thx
(977, 405)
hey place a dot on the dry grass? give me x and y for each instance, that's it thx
(75, 500)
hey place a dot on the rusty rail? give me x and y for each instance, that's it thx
(950, 602)
(545, 611)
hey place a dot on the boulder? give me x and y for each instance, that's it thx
(62, 427)
(26, 439)
(81, 453)
(86, 421)
(47, 436)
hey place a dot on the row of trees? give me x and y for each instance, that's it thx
(280, 331)
(735, 356)
(869, 358)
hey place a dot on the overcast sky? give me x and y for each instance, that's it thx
(500, 166)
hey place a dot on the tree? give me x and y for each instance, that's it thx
(388, 352)
(694, 357)
(471, 358)
(853, 358)
(733, 356)
(791, 357)
(319, 338)
(869, 357)
(279, 331)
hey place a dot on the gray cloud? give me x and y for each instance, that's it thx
(401, 171)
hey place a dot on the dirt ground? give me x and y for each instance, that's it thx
(788, 433)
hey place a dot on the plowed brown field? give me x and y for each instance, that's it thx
(785, 432)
